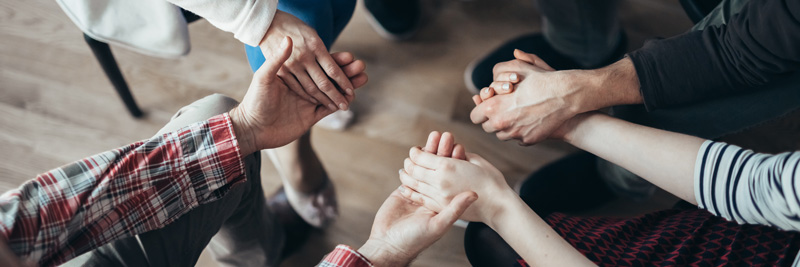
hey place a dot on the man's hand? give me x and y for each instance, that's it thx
(271, 115)
(402, 229)
(307, 70)
(539, 99)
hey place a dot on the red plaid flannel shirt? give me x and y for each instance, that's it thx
(344, 256)
(127, 191)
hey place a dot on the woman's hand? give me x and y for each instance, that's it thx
(435, 180)
(402, 229)
(310, 71)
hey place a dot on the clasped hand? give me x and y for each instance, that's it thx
(528, 100)
(271, 115)
(310, 71)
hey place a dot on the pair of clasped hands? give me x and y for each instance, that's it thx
(441, 182)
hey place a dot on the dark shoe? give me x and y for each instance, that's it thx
(571, 184)
(394, 19)
(295, 229)
(479, 73)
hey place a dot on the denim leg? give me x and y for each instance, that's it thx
(327, 17)
(587, 31)
(709, 119)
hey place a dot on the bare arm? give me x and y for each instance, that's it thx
(666, 159)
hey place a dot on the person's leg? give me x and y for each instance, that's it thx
(244, 232)
(395, 20)
(576, 34)
(303, 175)
(586, 31)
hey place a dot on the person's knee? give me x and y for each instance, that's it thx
(219, 103)
(484, 247)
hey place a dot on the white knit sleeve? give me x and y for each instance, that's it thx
(248, 20)
(749, 187)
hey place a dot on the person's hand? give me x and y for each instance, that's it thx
(310, 71)
(402, 228)
(542, 100)
(270, 115)
(435, 180)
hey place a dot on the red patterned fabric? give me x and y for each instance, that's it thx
(126, 191)
(344, 256)
(676, 237)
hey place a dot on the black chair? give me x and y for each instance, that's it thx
(106, 59)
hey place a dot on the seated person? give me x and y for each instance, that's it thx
(160, 201)
(710, 82)
(747, 211)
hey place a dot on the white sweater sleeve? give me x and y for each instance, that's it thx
(749, 187)
(248, 20)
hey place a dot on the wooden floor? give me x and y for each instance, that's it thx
(56, 105)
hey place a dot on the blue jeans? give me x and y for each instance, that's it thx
(327, 17)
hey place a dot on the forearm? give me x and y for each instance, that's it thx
(248, 20)
(616, 84)
(532, 238)
(666, 159)
(123, 192)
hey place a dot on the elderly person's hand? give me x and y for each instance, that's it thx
(310, 71)
(271, 115)
(402, 228)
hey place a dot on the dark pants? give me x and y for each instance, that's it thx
(587, 31)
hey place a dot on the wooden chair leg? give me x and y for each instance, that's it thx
(106, 59)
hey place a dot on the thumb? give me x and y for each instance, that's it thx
(532, 59)
(269, 70)
(450, 214)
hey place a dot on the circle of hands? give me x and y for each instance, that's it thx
(441, 182)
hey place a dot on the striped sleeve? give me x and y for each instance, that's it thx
(748, 187)
(344, 256)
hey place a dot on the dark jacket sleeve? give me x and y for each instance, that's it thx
(759, 44)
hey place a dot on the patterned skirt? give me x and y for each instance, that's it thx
(676, 237)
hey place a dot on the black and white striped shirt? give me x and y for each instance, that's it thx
(748, 187)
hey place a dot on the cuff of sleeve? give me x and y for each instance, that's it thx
(699, 173)
(345, 256)
(257, 22)
(646, 71)
(213, 160)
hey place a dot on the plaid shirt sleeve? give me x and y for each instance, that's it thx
(127, 191)
(344, 256)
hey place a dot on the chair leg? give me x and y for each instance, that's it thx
(106, 59)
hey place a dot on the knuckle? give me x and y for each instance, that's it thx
(316, 44)
(325, 85)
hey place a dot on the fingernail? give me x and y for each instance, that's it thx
(513, 77)
(486, 90)
(402, 189)
(505, 87)
(349, 91)
(332, 107)
(400, 171)
(342, 106)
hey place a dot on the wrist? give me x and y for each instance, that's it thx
(382, 254)
(615, 84)
(503, 204)
(243, 132)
